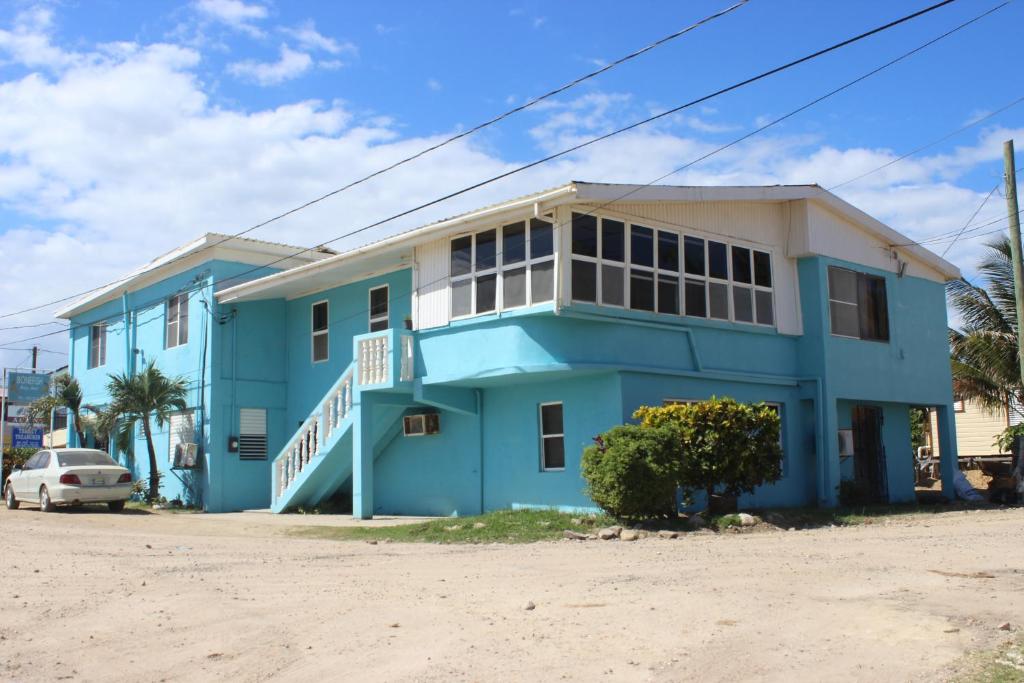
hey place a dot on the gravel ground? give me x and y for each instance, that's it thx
(178, 597)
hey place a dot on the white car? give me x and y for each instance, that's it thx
(68, 476)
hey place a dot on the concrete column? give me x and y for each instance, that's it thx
(828, 457)
(362, 458)
(948, 460)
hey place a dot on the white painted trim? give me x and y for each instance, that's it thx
(544, 437)
(369, 308)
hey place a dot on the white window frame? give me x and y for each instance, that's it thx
(98, 331)
(176, 300)
(313, 333)
(500, 267)
(241, 434)
(681, 275)
(386, 317)
(544, 437)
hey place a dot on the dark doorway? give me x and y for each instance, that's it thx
(869, 453)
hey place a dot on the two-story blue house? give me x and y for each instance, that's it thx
(464, 366)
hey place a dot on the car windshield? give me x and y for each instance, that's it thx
(78, 458)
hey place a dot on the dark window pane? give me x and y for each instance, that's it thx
(765, 312)
(486, 288)
(514, 288)
(584, 234)
(668, 251)
(641, 290)
(485, 249)
(379, 325)
(551, 418)
(642, 246)
(462, 256)
(462, 298)
(612, 285)
(540, 238)
(613, 240)
(378, 301)
(874, 316)
(584, 281)
(842, 285)
(844, 319)
(554, 453)
(762, 269)
(743, 304)
(319, 347)
(542, 282)
(718, 265)
(718, 299)
(741, 265)
(183, 319)
(320, 316)
(668, 294)
(696, 306)
(694, 254)
(513, 243)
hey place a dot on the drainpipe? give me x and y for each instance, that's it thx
(480, 431)
(129, 336)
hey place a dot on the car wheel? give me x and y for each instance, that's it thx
(116, 505)
(12, 502)
(45, 504)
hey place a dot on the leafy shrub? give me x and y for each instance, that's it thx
(721, 444)
(633, 472)
(15, 456)
(1004, 442)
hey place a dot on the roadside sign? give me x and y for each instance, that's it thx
(27, 437)
(25, 387)
(17, 414)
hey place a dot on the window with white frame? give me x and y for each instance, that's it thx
(252, 434)
(177, 320)
(502, 268)
(624, 264)
(181, 429)
(552, 437)
(98, 345)
(319, 328)
(379, 308)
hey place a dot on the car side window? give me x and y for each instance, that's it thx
(44, 461)
(30, 464)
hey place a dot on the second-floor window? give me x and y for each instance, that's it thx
(379, 308)
(628, 265)
(503, 268)
(177, 320)
(321, 347)
(98, 345)
(857, 303)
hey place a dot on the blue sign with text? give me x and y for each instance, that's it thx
(27, 437)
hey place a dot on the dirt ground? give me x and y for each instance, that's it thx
(176, 597)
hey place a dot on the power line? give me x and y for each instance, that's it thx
(973, 215)
(802, 108)
(427, 150)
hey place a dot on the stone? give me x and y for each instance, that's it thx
(541, 523)
(747, 520)
(529, 606)
(372, 542)
(629, 535)
(576, 521)
(610, 532)
(1005, 626)
(574, 535)
(665, 533)
(453, 527)
(696, 522)
(479, 525)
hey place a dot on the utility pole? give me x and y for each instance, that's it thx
(35, 357)
(1015, 246)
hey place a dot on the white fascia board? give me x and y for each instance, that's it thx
(266, 285)
(591, 192)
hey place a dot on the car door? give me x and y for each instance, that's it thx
(39, 474)
(20, 478)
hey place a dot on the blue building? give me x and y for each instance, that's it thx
(464, 366)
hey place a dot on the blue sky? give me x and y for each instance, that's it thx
(127, 128)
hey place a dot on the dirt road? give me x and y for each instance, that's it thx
(95, 596)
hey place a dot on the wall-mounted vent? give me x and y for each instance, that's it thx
(845, 442)
(422, 424)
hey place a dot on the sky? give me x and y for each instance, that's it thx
(129, 128)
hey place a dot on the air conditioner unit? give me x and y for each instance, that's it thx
(845, 442)
(422, 424)
(186, 455)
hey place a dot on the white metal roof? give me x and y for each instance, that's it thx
(228, 247)
(397, 250)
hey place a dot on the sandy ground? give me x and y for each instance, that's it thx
(95, 596)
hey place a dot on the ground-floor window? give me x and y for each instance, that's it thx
(552, 437)
(182, 430)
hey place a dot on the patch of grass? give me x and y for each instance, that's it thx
(1005, 664)
(725, 521)
(502, 526)
(147, 507)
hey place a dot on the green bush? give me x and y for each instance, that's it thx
(15, 456)
(632, 472)
(723, 445)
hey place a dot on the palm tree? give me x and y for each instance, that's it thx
(139, 396)
(66, 393)
(984, 349)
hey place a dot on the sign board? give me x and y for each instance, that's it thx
(17, 414)
(27, 437)
(25, 387)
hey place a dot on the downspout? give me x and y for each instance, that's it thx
(480, 431)
(129, 336)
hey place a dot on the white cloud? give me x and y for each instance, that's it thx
(434, 84)
(234, 13)
(28, 41)
(309, 38)
(291, 64)
(384, 29)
